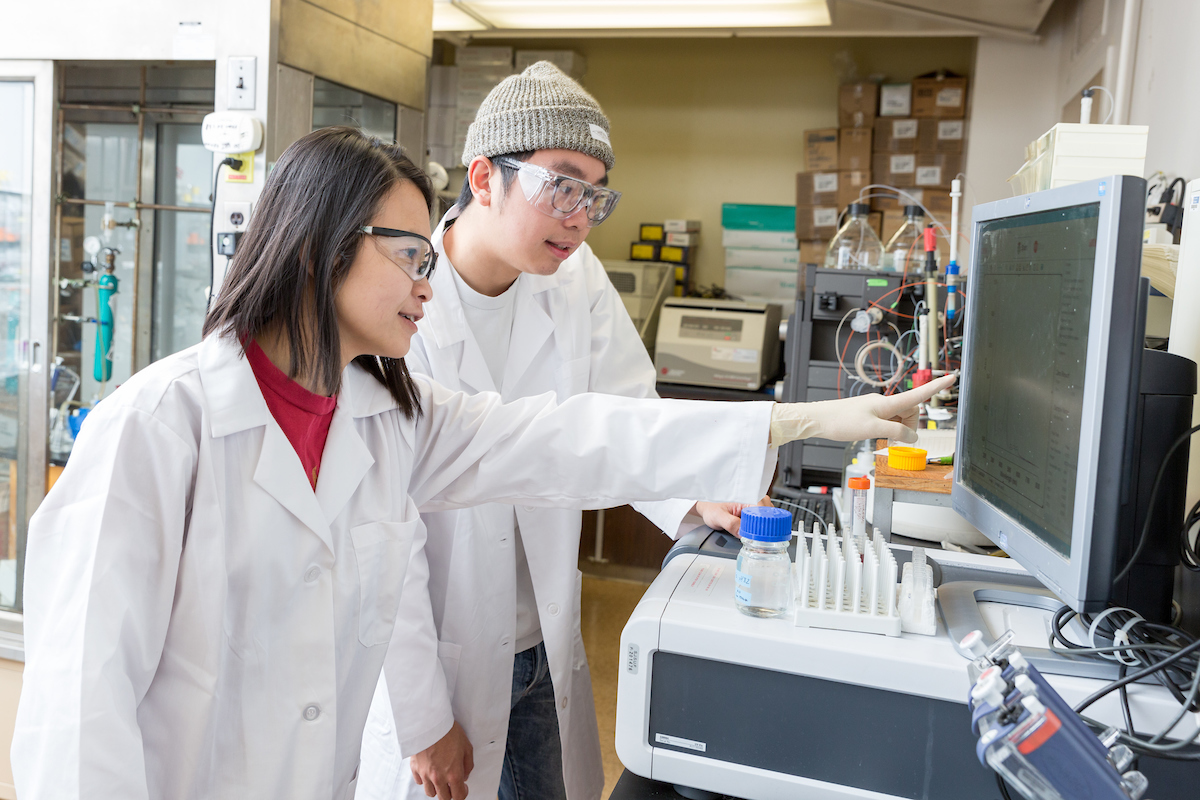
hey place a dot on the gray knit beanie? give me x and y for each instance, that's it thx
(540, 109)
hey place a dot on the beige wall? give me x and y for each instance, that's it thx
(700, 122)
(10, 693)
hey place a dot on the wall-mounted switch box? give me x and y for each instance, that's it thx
(241, 83)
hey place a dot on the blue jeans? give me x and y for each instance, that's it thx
(533, 755)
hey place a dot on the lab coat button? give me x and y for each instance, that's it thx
(311, 713)
(311, 574)
(553, 609)
(504, 642)
(529, 509)
(563, 703)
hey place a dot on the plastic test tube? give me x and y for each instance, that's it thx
(859, 486)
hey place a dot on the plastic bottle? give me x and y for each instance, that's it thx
(764, 570)
(858, 515)
(855, 245)
(904, 256)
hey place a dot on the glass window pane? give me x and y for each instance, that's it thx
(182, 260)
(334, 104)
(16, 257)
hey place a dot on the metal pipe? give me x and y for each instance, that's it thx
(1131, 16)
(598, 550)
(67, 201)
(137, 236)
(134, 109)
(58, 215)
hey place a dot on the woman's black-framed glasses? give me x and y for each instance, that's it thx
(410, 251)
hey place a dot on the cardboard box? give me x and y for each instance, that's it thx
(821, 150)
(857, 105)
(895, 100)
(758, 240)
(757, 283)
(644, 251)
(816, 188)
(889, 202)
(937, 199)
(812, 251)
(758, 217)
(937, 169)
(816, 222)
(748, 257)
(850, 185)
(941, 136)
(682, 226)
(854, 148)
(894, 169)
(677, 255)
(897, 135)
(682, 239)
(475, 54)
(651, 232)
(944, 98)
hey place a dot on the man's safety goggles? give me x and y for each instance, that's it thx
(560, 196)
(410, 251)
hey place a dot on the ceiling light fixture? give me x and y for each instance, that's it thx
(584, 15)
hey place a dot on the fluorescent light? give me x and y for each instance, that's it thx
(448, 17)
(632, 14)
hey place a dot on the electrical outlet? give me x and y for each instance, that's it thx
(238, 215)
(241, 83)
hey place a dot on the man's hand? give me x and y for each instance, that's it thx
(724, 516)
(442, 768)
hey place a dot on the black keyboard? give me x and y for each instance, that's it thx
(807, 508)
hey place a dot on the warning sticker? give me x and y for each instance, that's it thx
(705, 579)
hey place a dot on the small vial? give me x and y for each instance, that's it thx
(859, 486)
(764, 570)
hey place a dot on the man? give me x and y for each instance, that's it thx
(498, 684)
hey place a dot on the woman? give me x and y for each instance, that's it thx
(212, 584)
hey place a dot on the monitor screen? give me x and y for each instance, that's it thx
(1019, 447)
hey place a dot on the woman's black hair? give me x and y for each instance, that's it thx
(298, 250)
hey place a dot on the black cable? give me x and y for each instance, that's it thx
(235, 163)
(1162, 469)
(1137, 676)
(1003, 787)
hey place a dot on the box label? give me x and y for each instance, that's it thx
(904, 129)
(895, 100)
(929, 176)
(825, 182)
(950, 129)
(903, 164)
(950, 97)
(825, 217)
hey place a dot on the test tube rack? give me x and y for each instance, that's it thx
(846, 585)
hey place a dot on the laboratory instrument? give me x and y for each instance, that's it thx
(1065, 455)
(721, 343)
(1034, 739)
(764, 569)
(855, 245)
(763, 709)
(902, 248)
(643, 287)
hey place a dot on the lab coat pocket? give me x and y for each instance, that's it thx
(381, 550)
(571, 378)
(448, 654)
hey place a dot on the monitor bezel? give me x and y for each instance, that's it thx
(1116, 331)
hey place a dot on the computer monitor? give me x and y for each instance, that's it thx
(1050, 445)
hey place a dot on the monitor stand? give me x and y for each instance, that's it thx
(959, 602)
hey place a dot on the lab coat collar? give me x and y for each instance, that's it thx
(236, 404)
(447, 324)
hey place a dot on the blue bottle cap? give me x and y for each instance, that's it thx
(766, 524)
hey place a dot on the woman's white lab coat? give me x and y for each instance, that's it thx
(200, 624)
(571, 334)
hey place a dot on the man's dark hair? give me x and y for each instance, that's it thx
(298, 249)
(507, 176)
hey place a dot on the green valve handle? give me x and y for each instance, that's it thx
(106, 319)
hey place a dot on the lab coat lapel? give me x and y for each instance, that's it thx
(448, 325)
(236, 404)
(346, 459)
(532, 326)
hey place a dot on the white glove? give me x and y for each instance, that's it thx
(869, 416)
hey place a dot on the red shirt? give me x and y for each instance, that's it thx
(303, 416)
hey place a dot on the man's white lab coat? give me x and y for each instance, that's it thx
(571, 334)
(200, 624)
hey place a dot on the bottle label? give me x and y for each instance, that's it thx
(742, 595)
(742, 579)
(843, 258)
